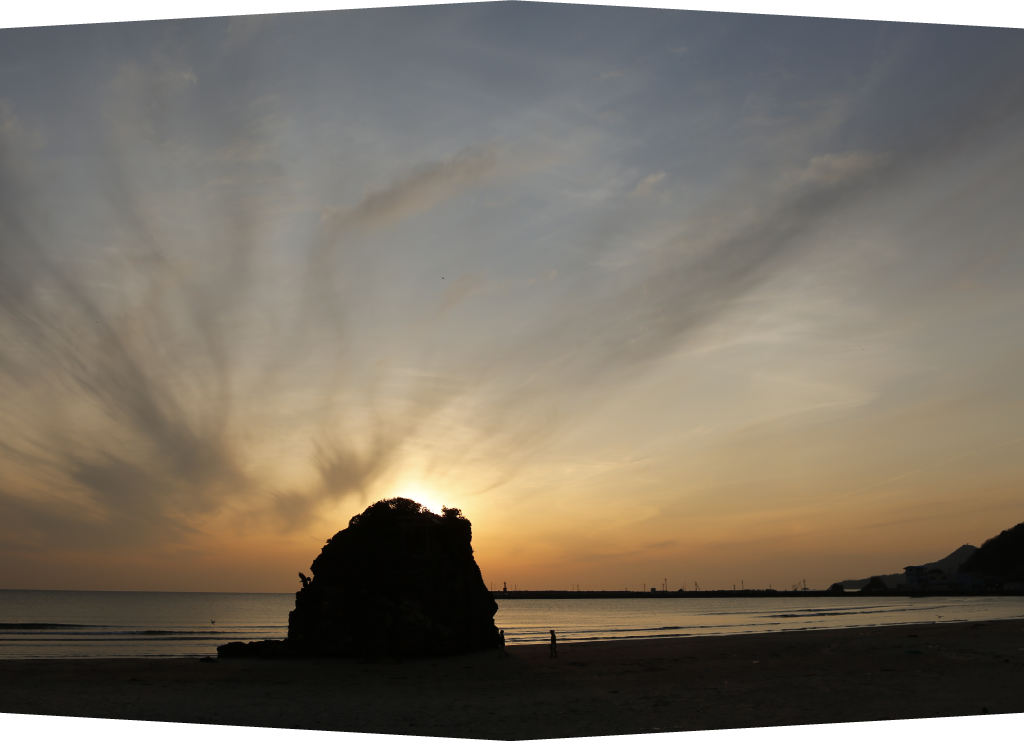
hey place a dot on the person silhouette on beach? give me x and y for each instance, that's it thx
(554, 646)
(501, 644)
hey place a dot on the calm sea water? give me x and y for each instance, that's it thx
(131, 624)
(125, 624)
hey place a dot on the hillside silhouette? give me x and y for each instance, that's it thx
(1000, 557)
(950, 564)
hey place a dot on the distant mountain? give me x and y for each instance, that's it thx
(1001, 556)
(949, 564)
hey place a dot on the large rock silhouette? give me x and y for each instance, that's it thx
(398, 581)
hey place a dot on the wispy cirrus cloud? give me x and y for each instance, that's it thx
(420, 189)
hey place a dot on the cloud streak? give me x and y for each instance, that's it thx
(420, 189)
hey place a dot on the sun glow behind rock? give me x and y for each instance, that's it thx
(423, 496)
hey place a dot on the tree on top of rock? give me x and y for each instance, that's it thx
(386, 509)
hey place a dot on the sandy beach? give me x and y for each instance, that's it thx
(620, 687)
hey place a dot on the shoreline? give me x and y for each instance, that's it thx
(744, 634)
(749, 594)
(511, 640)
(614, 687)
(603, 594)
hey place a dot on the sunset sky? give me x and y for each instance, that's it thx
(648, 294)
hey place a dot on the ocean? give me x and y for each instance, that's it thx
(77, 624)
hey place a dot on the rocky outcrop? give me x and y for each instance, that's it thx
(398, 581)
(875, 584)
(256, 650)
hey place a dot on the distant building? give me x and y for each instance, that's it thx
(922, 578)
(938, 579)
(654, 589)
(917, 578)
(969, 581)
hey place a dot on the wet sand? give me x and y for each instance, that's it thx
(602, 688)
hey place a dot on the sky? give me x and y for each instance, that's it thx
(649, 294)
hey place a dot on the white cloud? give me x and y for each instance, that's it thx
(836, 169)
